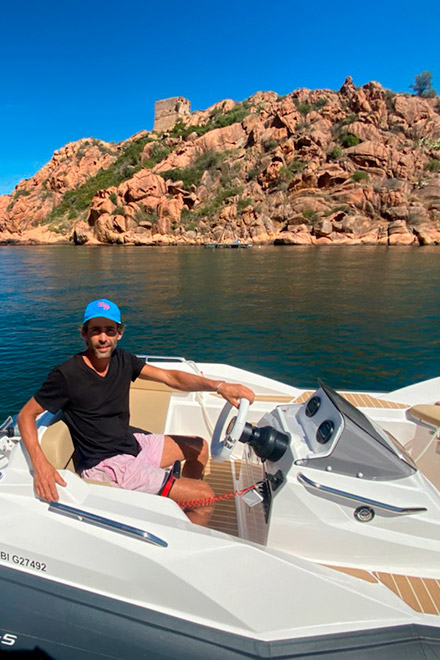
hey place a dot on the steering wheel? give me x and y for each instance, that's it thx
(221, 448)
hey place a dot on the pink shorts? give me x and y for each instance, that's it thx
(141, 472)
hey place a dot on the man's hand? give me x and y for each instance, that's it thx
(45, 479)
(233, 392)
(45, 475)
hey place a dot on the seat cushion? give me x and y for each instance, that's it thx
(57, 446)
(426, 413)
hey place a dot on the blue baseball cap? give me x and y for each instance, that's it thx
(102, 307)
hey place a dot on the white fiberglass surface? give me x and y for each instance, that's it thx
(202, 576)
(193, 418)
(424, 392)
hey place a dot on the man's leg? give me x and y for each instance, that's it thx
(190, 487)
(193, 450)
(194, 492)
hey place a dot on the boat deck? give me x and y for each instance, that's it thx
(358, 399)
(421, 594)
(219, 477)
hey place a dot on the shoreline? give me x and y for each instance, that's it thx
(170, 244)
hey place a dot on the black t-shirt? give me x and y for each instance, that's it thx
(96, 408)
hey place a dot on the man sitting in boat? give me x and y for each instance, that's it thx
(92, 390)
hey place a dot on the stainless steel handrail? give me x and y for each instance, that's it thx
(305, 481)
(107, 523)
(161, 358)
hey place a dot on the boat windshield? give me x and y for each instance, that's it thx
(355, 446)
(356, 416)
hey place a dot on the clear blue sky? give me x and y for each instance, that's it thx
(94, 69)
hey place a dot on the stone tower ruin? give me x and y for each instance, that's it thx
(168, 111)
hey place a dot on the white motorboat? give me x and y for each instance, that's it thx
(331, 550)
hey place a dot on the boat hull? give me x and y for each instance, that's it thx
(61, 622)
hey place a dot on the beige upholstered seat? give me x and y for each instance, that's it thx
(426, 413)
(149, 403)
(57, 446)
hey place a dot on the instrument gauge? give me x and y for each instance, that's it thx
(313, 406)
(325, 432)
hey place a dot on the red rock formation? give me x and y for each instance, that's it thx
(316, 167)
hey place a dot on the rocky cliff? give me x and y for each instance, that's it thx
(357, 166)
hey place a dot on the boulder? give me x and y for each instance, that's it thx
(357, 225)
(399, 234)
(293, 238)
(427, 235)
(168, 211)
(143, 184)
(323, 228)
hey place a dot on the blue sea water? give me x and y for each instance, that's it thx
(358, 317)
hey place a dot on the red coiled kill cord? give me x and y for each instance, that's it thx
(195, 504)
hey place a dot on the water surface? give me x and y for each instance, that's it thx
(364, 317)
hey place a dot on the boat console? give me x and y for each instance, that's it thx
(320, 461)
(329, 433)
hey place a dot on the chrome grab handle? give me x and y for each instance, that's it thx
(305, 481)
(4, 426)
(161, 358)
(107, 523)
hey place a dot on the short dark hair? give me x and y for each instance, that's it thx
(84, 327)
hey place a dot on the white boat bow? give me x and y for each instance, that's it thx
(333, 552)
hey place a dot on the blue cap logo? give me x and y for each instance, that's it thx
(102, 307)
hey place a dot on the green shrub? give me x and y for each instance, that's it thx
(181, 130)
(189, 220)
(192, 174)
(113, 198)
(158, 153)
(433, 165)
(286, 174)
(302, 126)
(81, 151)
(310, 216)
(297, 165)
(342, 208)
(254, 171)
(127, 163)
(349, 119)
(349, 140)
(94, 142)
(217, 119)
(429, 144)
(103, 148)
(221, 119)
(389, 98)
(119, 210)
(243, 203)
(268, 145)
(303, 108)
(21, 193)
(359, 175)
(143, 215)
(320, 103)
(335, 153)
(213, 207)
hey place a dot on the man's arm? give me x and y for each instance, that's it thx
(45, 475)
(181, 380)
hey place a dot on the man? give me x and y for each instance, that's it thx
(92, 390)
